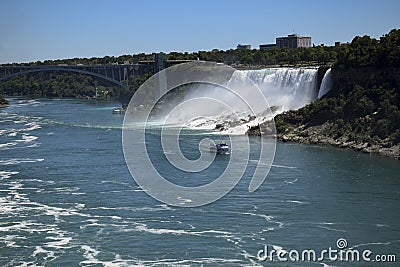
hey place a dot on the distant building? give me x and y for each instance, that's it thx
(243, 47)
(337, 43)
(267, 46)
(293, 41)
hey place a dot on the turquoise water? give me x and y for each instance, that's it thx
(68, 199)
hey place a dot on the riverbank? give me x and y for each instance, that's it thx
(316, 135)
(3, 102)
(363, 119)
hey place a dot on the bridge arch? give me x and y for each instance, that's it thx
(58, 68)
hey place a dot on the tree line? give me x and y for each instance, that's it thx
(362, 51)
(365, 112)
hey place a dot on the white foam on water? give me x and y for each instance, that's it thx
(20, 134)
(6, 175)
(161, 207)
(26, 138)
(184, 200)
(8, 145)
(331, 229)
(139, 190)
(160, 231)
(144, 228)
(293, 201)
(16, 205)
(12, 134)
(213, 232)
(66, 189)
(58, 212)
(380, 243)
(292, 181)
(39, 250)
(59, 242)
(22, 226)
(78, 193)
(33, 145)
(91, 254)
(32, 126)
(269, 229)
(283, 166)
(268, 218)
(10, 240)
(20, 121)
(80, 205)
(296, 202)
(18, 161)
(328, 223)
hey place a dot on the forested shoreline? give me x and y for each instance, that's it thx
(362, 51)
(362, 111)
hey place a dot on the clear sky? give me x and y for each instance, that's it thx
(48, 29)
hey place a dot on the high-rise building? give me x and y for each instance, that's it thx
(293, 41)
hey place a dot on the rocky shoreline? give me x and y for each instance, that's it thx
(314, 135)
(3, 102)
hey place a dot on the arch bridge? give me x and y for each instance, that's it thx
(115, 73)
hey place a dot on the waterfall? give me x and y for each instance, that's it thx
(326, 84)
(284, 89)
(287, 88)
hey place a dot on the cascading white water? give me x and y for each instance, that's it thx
(284, 89)
(287, 88)
(326, 84)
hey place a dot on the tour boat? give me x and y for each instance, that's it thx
(222, 148)
(118, 110)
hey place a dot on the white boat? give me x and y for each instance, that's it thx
(222, 148)
(118, 111)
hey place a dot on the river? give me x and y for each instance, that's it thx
(68, 199)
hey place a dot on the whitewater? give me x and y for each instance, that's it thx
(234, 107)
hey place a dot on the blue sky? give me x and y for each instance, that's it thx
(47, 29)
